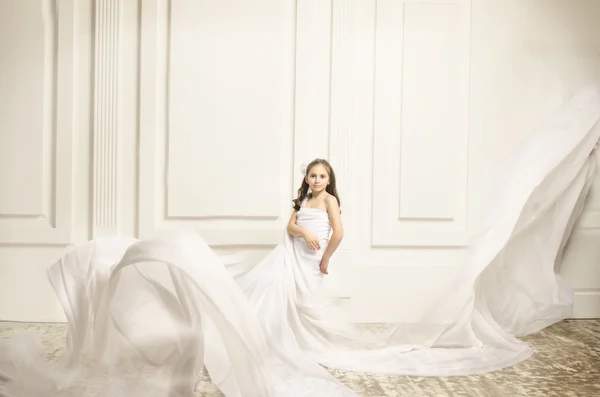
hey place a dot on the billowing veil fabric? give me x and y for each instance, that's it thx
(152, 313)
(141, 317)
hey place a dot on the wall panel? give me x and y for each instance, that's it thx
(216, 114)
(421, 131)
(36, 122)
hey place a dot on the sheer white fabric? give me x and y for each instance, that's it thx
(144, 317)
(141, 328)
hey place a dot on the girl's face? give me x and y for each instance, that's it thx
(317, 178)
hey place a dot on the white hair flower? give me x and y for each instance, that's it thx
(304, 169)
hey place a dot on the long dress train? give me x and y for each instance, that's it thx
(170, 305)
(507, 287)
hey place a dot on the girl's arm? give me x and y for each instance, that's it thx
(293, 229)
(335, 219)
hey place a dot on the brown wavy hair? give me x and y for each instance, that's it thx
(303, 190)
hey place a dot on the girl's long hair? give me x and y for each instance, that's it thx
(303, 190)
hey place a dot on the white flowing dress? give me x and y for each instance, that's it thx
(145, 316)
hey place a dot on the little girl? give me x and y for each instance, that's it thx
(319, 177)
(286, 287)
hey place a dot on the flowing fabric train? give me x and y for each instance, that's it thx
(159, 309)
(507, 287)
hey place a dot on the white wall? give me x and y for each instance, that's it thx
(186, 113)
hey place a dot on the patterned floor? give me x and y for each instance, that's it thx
(566, 363)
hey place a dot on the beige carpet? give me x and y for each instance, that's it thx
(566, 363)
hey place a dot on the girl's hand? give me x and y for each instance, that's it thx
(312, 241)
(324, 265)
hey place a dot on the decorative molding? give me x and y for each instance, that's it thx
(153, 216)
(325, 93)
(53, 227)
(400, 219)
(314, 32)
(106, 109)
(586, 303)
(343, 83)
(152, 72)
